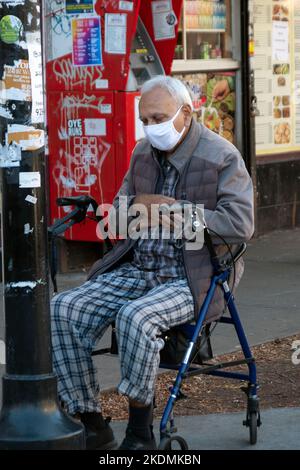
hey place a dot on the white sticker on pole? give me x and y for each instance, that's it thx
(29, 179)
(31, 199)
(28, 229)
(101, 83)
(105, 108)
(125, 5)
(95, 127)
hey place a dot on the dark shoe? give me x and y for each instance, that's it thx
(133, 442)
(99, 434)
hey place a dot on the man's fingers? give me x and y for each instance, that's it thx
(168, 199)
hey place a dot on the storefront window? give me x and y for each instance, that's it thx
(206, 66)
(205, 30)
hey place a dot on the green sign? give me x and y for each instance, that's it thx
(11, 29)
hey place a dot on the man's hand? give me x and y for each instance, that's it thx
(148, 218)
(221, 90)
(148, 199)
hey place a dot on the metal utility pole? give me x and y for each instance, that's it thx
(248, 93)
(30, 416)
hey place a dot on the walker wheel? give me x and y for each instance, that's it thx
(252, 422)
(253, 428)
(166, 443)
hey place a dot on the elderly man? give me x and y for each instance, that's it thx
(149, 285)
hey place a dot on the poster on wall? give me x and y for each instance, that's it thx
(277, 69)
(16, 81)
(86, 41)
(213, 96)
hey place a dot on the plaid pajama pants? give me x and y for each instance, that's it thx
(141, 305)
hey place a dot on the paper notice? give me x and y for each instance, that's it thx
(164, 19)
(105, 108)
(101, 83)
(115, 33)
(26, 137)
(10, 155)
(29, 179)
(126, 5)
(95, 127)
(280, 41)
(36, 72)
(31, 199)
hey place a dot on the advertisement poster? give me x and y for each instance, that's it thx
(86, 41)
(75, 7)
(16, 81)
(216, 114)
(277, 70)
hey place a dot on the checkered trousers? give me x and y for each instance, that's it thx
(142, 307)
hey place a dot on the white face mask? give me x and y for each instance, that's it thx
(164, 136)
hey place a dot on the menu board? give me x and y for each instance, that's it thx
(277, 75)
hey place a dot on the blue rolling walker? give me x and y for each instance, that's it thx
(222, 269)
(221, 273)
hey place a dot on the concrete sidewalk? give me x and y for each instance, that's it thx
(280, 430)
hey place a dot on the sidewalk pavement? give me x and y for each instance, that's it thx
(268, 299)
(280, 430)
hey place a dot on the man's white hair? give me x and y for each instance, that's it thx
(172, 85)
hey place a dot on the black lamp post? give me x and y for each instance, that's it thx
(30, 417)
